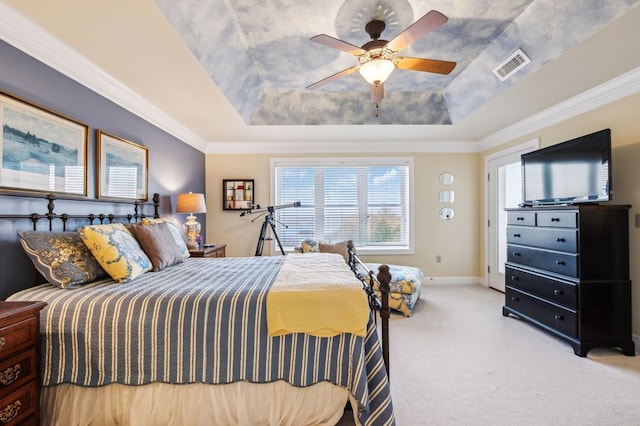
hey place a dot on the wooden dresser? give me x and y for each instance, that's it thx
(567, 271)
(19, 363)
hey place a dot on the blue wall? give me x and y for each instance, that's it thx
(174, 167)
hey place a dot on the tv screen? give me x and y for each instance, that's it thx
(575, 171)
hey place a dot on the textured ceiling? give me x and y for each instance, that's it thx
(230, 76)
(259, 53)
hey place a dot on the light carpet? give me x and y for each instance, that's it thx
(459, 361)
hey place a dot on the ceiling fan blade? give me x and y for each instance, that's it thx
(333, 77)
(423, 26)
(377, 92)
(334, 43)
(425, 65)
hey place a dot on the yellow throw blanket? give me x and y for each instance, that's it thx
(317, 294)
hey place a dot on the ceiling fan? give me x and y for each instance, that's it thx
(378, 58)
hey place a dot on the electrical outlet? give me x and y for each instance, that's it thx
(439, 258)
(637, 220)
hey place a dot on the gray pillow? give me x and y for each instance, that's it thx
(158, 242)
(337, 248)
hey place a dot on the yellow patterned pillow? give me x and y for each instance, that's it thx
(310, 246)
(116, 250)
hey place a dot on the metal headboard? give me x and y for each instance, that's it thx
(51, 215)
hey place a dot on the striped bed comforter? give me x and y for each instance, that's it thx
(202, 321)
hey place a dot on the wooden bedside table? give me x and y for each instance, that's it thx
(216, 251)
(20, 362)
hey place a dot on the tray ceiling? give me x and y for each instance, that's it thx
(236, 71)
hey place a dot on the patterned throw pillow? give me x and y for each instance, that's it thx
(158, 243)
(61, 257)
(310, 246)
(174, 227)
(116, 250)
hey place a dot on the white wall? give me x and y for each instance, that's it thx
(456, 241)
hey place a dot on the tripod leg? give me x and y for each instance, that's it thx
(263, 232)
(275, 235)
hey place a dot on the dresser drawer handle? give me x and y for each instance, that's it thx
(555, 219)
(561, 262)
(516, 235)
(516, 253)
(515, 278)
(557, 292)
(558, 318)
(560, 240)
(9, 412)
(10, 375)
(515, 299)
(519, 218)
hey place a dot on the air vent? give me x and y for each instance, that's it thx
(515, 62)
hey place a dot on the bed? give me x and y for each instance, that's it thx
(205, 341)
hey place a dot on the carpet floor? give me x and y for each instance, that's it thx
(459, 361)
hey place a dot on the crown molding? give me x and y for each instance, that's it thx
(30, 38)
(613, 90)
(341, 147)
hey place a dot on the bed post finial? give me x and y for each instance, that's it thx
(156, 205)
(384, 278)
(350, 250)
(50, 207)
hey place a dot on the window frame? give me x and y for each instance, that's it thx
(353, 162)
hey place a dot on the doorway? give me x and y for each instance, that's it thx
(504, 190)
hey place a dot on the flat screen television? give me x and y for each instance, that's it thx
(571, 172)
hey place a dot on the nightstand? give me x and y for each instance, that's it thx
(215, 251)
(20, 362)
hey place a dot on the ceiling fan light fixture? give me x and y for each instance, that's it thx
(377, 70)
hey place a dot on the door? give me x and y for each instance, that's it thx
(504, 190)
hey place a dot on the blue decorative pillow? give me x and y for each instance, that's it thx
(310, 246)
(116, 250)
(61, 257)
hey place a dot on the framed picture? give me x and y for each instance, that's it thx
(122, 168)
(237, 194)
(41, 150)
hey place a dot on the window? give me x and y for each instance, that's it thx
(364, 200)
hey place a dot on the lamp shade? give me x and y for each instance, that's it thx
(191, 203)
(376, 71)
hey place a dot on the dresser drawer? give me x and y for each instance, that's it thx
(521, 218)
(563, 320)
(19, 405)
(550, 238)
(17, 370)
(558, 219)
(18, 336)
(556, 291)
(553, 261)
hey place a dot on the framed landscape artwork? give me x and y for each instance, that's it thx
(40, 150)
(122, 168)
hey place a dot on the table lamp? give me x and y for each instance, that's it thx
(191, 203)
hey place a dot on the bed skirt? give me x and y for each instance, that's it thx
(240, 403)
